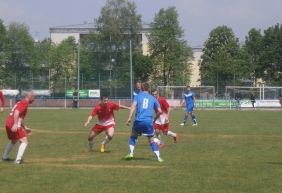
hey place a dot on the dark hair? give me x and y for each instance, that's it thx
(154, 90)
(138, 81)
(104, 95)
(145, 86)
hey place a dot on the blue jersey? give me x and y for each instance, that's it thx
(145, 107)
(135, 93)
(189, 98)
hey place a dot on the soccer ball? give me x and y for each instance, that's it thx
(157, 141)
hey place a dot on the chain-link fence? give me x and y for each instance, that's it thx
(60, 94)
(259, 93)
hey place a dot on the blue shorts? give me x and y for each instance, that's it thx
(143, 128)
(190, 109)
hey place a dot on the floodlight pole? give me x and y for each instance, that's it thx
(131, 71)
(78, 71)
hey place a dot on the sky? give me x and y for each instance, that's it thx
(197, 17)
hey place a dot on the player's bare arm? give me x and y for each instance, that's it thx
(16, 119)
(158, 113)
(88, 120)
(27, 129)
(132, 110)
(124, 107)
(168, 114)
(182, 103)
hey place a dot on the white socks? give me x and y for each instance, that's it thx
(157, 153)
(131, 148)
(8, 149)
(169, 133)
(21, 150)
(106, 140)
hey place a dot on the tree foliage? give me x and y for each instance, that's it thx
(143, 66)
(253, 49)
(63, 59)
(19, 54)
(271, 55)
(221, 59)
(168, 49)
(2, 52)
(107, 51)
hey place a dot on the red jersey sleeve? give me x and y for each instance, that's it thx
(22, 107)
(94, 111)
(165, 104)
(2, 99)
(115, 106)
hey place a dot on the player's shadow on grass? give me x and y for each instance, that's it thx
(97, 151)
(107, 151)
(139, 159)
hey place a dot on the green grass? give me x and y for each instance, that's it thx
(229, 151)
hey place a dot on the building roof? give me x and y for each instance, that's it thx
(84, 28)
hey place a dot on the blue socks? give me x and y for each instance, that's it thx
(132, 140)
(155, 149)
(154, 146)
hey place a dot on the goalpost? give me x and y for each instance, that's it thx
(205, 95)
(265, 96)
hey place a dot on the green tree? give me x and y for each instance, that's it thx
(221, 59)
(2, 35)
(271, 56)
(42, 69)
(2, 53)
(107, 51)
(253, 49)
(143, 67)
(19, 51)
(63, 64)
(168, 49)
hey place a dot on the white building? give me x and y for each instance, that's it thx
(60, 33)
(195, 79)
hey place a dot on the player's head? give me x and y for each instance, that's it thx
(30, 96)
(188, 88)
(155, 93)
(104, 99)
(139, 84)
(145, 86)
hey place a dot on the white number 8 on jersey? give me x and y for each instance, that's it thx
(145, 103)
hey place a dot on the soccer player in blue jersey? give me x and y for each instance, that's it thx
(138, 89)
(190, 101)
(145, 106)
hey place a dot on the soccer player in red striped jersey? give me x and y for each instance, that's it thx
(162, 123)
(2, 100)
(106, 121)
(16, 129)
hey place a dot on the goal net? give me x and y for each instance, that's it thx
(264, 96)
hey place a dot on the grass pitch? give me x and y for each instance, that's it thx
(228, 152)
